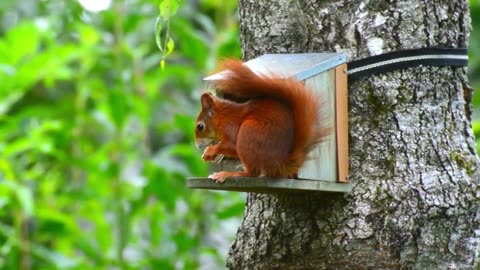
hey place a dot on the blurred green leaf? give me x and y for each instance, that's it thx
(190, 41)
(58, 260)
(159, 185)
(170, 46)
(55, 221)
(88, 35)
(118, 107)
(8, 101)
(233, 210)
(168, 8)
(476, 128)
(25, 38)
(23, 196)
(186, 124)
(183, 240)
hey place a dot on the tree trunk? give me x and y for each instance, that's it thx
(413, 165)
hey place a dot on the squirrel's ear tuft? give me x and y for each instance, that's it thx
(207, 100)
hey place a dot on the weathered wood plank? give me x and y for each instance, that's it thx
(323, 161)
(269, 185)
(341, 101)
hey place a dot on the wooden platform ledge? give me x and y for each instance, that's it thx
(268, 185)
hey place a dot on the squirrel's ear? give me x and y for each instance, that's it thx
(207, 101)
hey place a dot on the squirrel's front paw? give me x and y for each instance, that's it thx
(208, 154)
(219, 177)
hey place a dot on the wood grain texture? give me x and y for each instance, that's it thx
(322, 164)
(269, 185)
(341, 122)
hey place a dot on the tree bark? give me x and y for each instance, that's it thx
(413, 165)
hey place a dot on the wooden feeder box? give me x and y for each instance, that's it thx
(327, 170)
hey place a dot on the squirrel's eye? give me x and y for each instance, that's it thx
(200, 127)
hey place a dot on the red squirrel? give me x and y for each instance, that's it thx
(271, 133)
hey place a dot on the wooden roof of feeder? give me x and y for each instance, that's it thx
(301, 66)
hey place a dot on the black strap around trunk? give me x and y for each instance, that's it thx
(396, 60)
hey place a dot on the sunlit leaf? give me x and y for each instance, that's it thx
(168, 8)
(25, 38)
(476, 128)
(88, 35)
(170, 46)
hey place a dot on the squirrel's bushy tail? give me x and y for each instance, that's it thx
(240, 81)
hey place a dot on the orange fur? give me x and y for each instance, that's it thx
(271, 133)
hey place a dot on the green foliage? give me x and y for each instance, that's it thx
(96, 139)
(165, 43)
